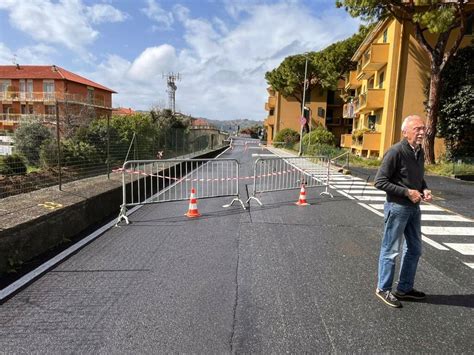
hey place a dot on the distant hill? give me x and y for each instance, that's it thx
(231, 125)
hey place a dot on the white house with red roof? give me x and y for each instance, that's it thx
(38, 90)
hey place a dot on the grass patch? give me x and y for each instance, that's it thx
(32, 169)
(448, 169)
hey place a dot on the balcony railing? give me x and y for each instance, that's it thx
(373, 59)
(346, 140)
(9, 119)
(370, 141)
(372, 99)
(351, 80)
(376, 57)
(271, 101)
(51, 97)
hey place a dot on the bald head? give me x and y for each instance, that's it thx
(413, 129)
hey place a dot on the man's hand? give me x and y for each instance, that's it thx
(414, 195)
(427, 196)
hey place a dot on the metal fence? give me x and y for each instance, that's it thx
(38, 153)
(277, 174)
(154, 181)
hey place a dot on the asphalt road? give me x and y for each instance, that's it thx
(272, 279)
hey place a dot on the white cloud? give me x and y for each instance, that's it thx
(223, 64)
(101, 13)
(67, 23)
(152, 62)
(154, 12)
(37, 54)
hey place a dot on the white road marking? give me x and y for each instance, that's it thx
(370, 198)
(366, 192)
(463, 248)
(444, 217)
(433, 243)
(422, 207)
(346, 195)
(431, 230)
(370, 209)
(350, 183)
(364, 187)
(471, 265)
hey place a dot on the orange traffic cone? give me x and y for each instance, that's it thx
(193, 210)
(302, 199)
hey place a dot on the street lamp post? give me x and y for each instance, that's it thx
(300, 152)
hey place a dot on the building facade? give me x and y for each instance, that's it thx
(43, 91)
(324, 107)
(389, 84)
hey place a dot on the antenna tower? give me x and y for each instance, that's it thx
(171, 79)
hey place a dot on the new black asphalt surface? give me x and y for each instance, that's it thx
(272, 279)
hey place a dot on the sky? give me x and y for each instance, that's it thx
(221, 48)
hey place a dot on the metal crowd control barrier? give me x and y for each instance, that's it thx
(154, 181)
(285, 173)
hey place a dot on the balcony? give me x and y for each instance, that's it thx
(52, 97)
(376, 57)
(351, 80)
(372, 99)
(372, 60)
(10, 119)
(270, 121)
(271, 101)
(366, 141)
(346, 140)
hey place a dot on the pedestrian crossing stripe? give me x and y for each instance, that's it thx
(366, 192)
(444, 218)
(471, 265)
(431, 230)
(463, 248)
(370, 198)
(422, 207)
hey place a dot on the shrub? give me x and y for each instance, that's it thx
(28, 139)
(286, 138)
(320, 135)
(73, 153)
(12, 165)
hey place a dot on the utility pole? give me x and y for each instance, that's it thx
(300, 152)
(171, 79)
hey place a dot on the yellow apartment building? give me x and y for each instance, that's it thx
(388, 85)
(325, 108)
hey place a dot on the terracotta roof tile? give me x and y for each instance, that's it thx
(45, 72)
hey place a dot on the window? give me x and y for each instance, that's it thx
(469, 25)
(371, 122)
(271, 112)
(385, 35)
(331, 97)
(90, 95)
(50, 109)
(329, 116)
(370, 84)
(381, 79)
(48, 89)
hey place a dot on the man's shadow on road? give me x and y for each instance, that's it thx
(448, 300)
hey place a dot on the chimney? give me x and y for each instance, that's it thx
(17, 66)
(54, 68)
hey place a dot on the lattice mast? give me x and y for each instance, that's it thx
(171, 79)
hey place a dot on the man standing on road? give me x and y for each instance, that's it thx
(401, 176)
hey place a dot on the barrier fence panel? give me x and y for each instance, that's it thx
(277, 174)
(154, 181)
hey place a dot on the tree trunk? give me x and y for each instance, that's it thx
(432, 114)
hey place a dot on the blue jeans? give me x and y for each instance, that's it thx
(400, 220)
